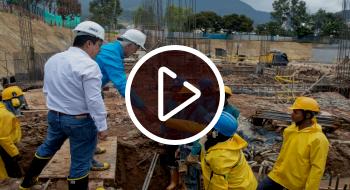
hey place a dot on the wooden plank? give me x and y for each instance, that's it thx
(59, 165)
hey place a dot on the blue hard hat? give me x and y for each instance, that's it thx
(227, 125)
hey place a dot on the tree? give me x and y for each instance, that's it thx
(246, 24)
(271, 28)
(105, 12)
(237, 23)
(177, 19)
(144, 18)
(292, 16)
(281, 11)
(208, 20)
(327, 24)
(300, 19)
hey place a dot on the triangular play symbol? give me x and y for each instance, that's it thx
(161, 116)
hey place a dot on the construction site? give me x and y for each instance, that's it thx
(262, 91)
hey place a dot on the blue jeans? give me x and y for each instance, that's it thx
(267, 184)
(82, 134)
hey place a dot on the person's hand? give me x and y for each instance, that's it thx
(102, 135)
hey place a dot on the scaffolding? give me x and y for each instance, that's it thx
(264, 50)
(170, 22)
(26, 35)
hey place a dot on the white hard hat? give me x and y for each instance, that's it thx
(90, 28)
(136, 37)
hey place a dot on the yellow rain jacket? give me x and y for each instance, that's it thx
(302, 159)
(224, 166)
(10, 133)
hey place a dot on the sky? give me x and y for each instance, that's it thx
(312, 5)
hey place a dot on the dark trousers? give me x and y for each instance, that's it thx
(269, 184)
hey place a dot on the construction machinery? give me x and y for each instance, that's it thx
(274, 58)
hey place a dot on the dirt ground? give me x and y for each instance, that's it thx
(135, 151)
(45, 37)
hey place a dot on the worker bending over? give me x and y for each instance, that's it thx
(10, 134)
(301, 162)
(111, 62)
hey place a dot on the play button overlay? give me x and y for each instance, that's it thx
(179, 108)
(174, 95)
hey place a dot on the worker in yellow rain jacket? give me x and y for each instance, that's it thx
(224, 166)
(10, 134)
(301, 162)
(13, 97)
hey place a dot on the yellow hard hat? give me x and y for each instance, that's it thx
(228, 90)
(305, 103)
(11, 92)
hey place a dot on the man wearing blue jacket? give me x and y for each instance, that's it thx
(111, 62)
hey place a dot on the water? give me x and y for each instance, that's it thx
(325, 54)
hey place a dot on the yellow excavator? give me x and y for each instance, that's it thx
(274, 58)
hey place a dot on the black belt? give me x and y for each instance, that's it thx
(79, 116)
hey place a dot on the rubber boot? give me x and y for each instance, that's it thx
(99, 166)
(79, 184)
(35, 168)
(174, 179)
(100, 150)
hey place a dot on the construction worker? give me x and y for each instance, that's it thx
(179, 94)
(13, 96)
(223, 163)
(72, 87)
(302, 159)
(10, 134)
(229, 108)
(111, 61)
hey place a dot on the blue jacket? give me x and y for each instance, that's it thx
(110, 60)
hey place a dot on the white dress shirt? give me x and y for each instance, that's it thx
(72, 85)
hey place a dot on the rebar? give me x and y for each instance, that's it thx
(343, 61)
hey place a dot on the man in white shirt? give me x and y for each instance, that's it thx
(72, 86)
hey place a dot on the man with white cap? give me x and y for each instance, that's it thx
(111, 62)
(72, 87)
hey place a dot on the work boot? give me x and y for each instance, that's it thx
(99, 166)
(100, 150)
(35, 168)
(174, 179)
(35, 187)
(79, 184)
